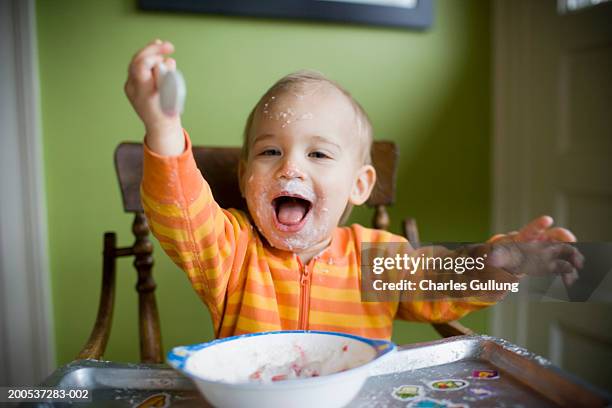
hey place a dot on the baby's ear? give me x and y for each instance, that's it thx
(363, 185)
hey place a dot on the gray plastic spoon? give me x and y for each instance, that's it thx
(172, 90)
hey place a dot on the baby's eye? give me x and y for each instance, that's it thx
(270, 152)
(318, 155)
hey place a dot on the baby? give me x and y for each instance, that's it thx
(305, 162)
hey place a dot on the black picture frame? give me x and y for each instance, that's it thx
(419, 17)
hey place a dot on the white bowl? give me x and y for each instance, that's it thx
(226, 370)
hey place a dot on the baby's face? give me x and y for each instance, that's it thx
(304, 166)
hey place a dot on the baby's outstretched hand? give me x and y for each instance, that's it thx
(538, 259)
(164, 133)
(538, 249)
(539, 229)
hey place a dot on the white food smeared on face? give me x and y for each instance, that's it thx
(293, 186)
(289, 214)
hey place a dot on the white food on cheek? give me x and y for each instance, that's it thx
(306, 116)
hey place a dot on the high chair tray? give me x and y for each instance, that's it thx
(463, 371)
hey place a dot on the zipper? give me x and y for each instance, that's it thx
(305, 272)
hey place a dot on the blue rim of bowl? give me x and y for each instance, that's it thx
(178, 356)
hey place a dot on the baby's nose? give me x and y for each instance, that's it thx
(290, 170)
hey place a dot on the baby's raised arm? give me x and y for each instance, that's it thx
(206, 241)
(164, 134)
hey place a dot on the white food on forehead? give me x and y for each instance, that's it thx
(287, 116)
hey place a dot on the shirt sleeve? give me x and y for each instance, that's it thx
(438, 311)
(206, 241)
(442, 310)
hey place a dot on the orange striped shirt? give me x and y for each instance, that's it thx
(249, 286)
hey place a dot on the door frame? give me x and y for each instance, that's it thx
(512, 30)
(27, 347)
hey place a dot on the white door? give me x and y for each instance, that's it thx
(555, 103)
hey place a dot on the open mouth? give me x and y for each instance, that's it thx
(291, 211)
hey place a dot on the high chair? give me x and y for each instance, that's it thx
(219, 167)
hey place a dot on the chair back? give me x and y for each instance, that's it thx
(219, 166)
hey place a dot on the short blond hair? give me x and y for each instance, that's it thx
(309, 77)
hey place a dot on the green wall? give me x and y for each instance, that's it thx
(428, 91)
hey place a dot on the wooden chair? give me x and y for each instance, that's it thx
(219, 167)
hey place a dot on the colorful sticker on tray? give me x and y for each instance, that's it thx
(477, 393)
(450, 384)
(407, 392)
(434, 403)
(485, 374)
(161, 400)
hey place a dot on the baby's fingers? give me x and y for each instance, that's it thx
(155, 47)
(569, 278)
(170, 63)
(567, 253)
(534, 230)
(140, 69)
(560, 234)
(566, 270)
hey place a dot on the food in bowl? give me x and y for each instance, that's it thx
(305, 364)
(277, 358)
(274, 369)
